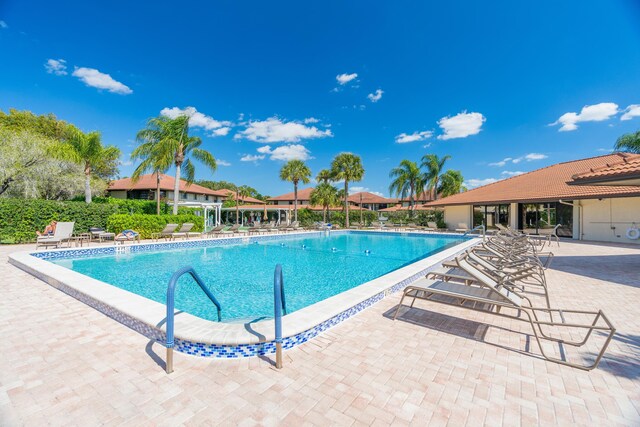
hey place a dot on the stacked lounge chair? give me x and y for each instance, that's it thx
(506, 282)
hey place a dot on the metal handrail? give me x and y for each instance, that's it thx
(479, 227)
(171, 306)
(279, 307)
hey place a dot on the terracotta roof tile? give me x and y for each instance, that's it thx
(148, 182)
(369, 198)
(303, 194)
(546, 184)
(628, 167)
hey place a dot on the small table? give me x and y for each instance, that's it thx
(106, 236)
(81, 239)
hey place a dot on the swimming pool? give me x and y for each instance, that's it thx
(328, 279)
(241, 275)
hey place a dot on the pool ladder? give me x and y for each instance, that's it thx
(280, 309)
(479, 227)
(171, 290)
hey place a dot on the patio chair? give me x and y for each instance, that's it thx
(100, 234)
(295, 226)
(63, 233)
(183, 231)
(354, 226)
(431, 226)
(491, 294)
(127, 236)
(166, 233)
(214, 231)
(462, 228)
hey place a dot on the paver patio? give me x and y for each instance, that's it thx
(62, 362)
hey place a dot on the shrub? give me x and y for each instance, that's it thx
(147, 224)
(20, 218)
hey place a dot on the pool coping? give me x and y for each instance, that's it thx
(202, 337)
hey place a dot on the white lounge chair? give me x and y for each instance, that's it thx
(63, 233)
(462, 228)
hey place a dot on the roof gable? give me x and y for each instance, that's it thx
(546, 184)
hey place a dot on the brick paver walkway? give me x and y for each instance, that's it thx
(62, 362)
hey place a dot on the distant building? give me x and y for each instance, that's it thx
(370, 201)
(304, 196)
(597, 198)
(145, 189)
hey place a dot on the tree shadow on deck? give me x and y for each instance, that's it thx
(621, 269)
(626, 364)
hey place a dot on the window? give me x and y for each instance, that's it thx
(541, 218)
(183, 196)
(490, 215)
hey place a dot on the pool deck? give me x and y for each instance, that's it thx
(63, 362)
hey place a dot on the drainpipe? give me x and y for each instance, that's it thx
(579, 215)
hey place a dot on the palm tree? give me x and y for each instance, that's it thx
(241, 192)
(174, 145)
(295, 171)
(325, 195)
(347, 167)
(324, 176)
(150, 161)
(629, 142)
(434, 166)
(408, 181)
(451, 182)
(86, 150)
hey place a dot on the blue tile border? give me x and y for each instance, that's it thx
(217, 350)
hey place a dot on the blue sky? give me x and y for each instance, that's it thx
(267, 81)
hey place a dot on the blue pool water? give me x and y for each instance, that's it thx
(241, 276)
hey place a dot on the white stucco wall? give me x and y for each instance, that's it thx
(607, 220)
(456, 214)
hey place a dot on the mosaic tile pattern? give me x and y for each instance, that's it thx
(213, 350)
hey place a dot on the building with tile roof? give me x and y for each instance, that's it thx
(563, 194)
(145, 189)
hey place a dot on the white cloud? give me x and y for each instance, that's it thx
(404, 138)
(3, 25)
(534, 156)
(275, 130)
(221, 162)
(528, 157)
(589, 113)
(251, 158)
(199, 120)
(631, 111)
(356, 189)
(461, 125)
(502, 162)
(605, 150)
(473, 183)
(375, 97)
(221, 131)
(511, 173)
(343, 79)
(286, 152)
(56, 66)
(264, 150)
(310, 120)
(94, 78)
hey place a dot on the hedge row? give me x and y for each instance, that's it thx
(20, 218)
(148, 224)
